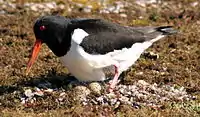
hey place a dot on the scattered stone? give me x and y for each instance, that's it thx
(194, 4)
(61, 96)
(48, 90)
(141, 93)
(23, 101)
(140, 73)
(143, 3)
(151, 55)
(28, 93)
(38, 92)
(123, 15)
(47, 7)
(143, 83)
(137, 94)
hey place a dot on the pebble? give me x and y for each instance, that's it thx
(151, 55)
(62, 94)
(39, 93)
(34, 8)
(51, 5)
(123, 15)
(23, 101)
(143, 3)
(194, 4)
(87, 10)
(143, 93)
(143, 83)
(48, 90)
(28, 93)
(61, 6)
(117, 104)
(140, 73)
(137, 94)
(116, 7)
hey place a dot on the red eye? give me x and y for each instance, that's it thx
(42, 28)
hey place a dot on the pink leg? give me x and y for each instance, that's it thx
(115, 79)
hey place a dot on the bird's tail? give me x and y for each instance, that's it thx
(166, 30)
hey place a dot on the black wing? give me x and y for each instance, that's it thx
(103, 43)
(105, 36)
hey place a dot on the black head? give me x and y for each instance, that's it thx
(53, 30)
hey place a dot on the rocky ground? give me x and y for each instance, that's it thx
(165, 81)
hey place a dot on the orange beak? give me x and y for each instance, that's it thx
(34, 54)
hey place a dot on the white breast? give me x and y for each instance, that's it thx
(83, 66)
(80, 65)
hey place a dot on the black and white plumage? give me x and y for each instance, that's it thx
(87, 46)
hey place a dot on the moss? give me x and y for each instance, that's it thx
(140, 22)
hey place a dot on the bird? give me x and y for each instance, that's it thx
(87, 46)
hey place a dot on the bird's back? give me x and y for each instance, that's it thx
(104, 37)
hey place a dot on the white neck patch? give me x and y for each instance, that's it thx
(78, 35)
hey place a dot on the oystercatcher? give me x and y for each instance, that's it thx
(87, 46)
